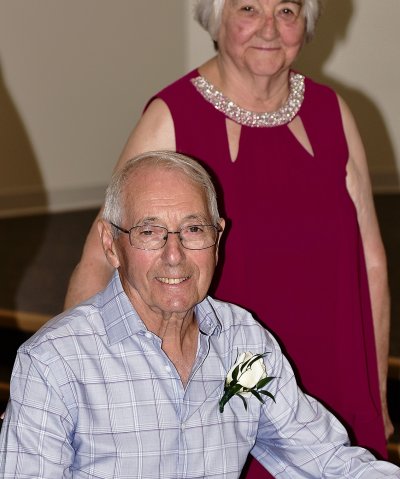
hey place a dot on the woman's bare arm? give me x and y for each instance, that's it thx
(154, 131)
(359, 188)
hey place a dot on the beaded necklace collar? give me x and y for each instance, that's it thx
(284, 115)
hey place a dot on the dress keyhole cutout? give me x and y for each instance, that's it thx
(233, 130)
(296, 127)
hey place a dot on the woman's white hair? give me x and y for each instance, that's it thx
(209, 13)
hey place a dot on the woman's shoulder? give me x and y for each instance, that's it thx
(179, 84)
(177, 94)
(316, 89)
(319, 97)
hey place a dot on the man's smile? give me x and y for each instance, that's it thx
(172, 280)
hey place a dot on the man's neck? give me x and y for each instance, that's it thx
(179, 336)
(179, 342)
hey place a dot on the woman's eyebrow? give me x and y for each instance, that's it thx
(296, 2)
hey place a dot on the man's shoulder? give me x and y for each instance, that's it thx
(240, 330)
(230, 312)
(81, 325)
(80, 321)
(232, 316)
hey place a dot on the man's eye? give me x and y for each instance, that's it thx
(147, 232)
(194, 229)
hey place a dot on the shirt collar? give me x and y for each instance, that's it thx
(119, 316)
(209, 323)
(121, 320)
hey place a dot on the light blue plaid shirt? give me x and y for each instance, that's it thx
(93, 396)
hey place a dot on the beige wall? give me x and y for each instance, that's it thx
(75, 75)
(74, 78)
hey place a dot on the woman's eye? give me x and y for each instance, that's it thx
(247, 8)
(290, 11)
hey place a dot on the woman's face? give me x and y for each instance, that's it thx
(261, 37)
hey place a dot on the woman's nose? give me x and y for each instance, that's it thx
(268, 28)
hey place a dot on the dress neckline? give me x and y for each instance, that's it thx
(284, 115)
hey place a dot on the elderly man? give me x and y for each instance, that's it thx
(153, 379)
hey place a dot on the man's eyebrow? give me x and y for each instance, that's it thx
(148, 219)
(196, 217)
(157, 220)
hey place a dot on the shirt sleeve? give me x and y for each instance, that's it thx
(299, 438)
(36, 435)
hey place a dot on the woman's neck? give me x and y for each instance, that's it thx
(251, 92)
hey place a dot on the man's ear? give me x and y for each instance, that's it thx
(108, 243)
(221, 222)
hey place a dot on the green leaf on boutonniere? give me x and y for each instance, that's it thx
(235, 373)
(263, 382)
(245, 378)
(243, 400)
(229, 392)
(267, 393)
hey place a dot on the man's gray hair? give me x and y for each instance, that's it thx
(113, 211)
(209, 13)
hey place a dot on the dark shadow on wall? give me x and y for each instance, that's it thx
(331, 30)
(21, 181)
(21, 189)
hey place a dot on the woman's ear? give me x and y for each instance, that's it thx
(108, 243)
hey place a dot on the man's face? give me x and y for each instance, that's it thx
(171, 279)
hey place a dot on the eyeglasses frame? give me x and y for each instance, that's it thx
(218, 227)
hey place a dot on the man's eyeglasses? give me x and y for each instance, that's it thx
(151, 237)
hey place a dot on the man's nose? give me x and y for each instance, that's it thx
(173, 251)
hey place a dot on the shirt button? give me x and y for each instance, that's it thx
(168, 369)
(148, 335)
(183, 426)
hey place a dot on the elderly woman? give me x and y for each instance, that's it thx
(304, 252)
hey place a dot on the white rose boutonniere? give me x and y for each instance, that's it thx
(245, 378)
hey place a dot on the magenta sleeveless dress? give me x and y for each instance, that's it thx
(292, 252)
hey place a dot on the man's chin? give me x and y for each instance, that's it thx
(177, 310)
